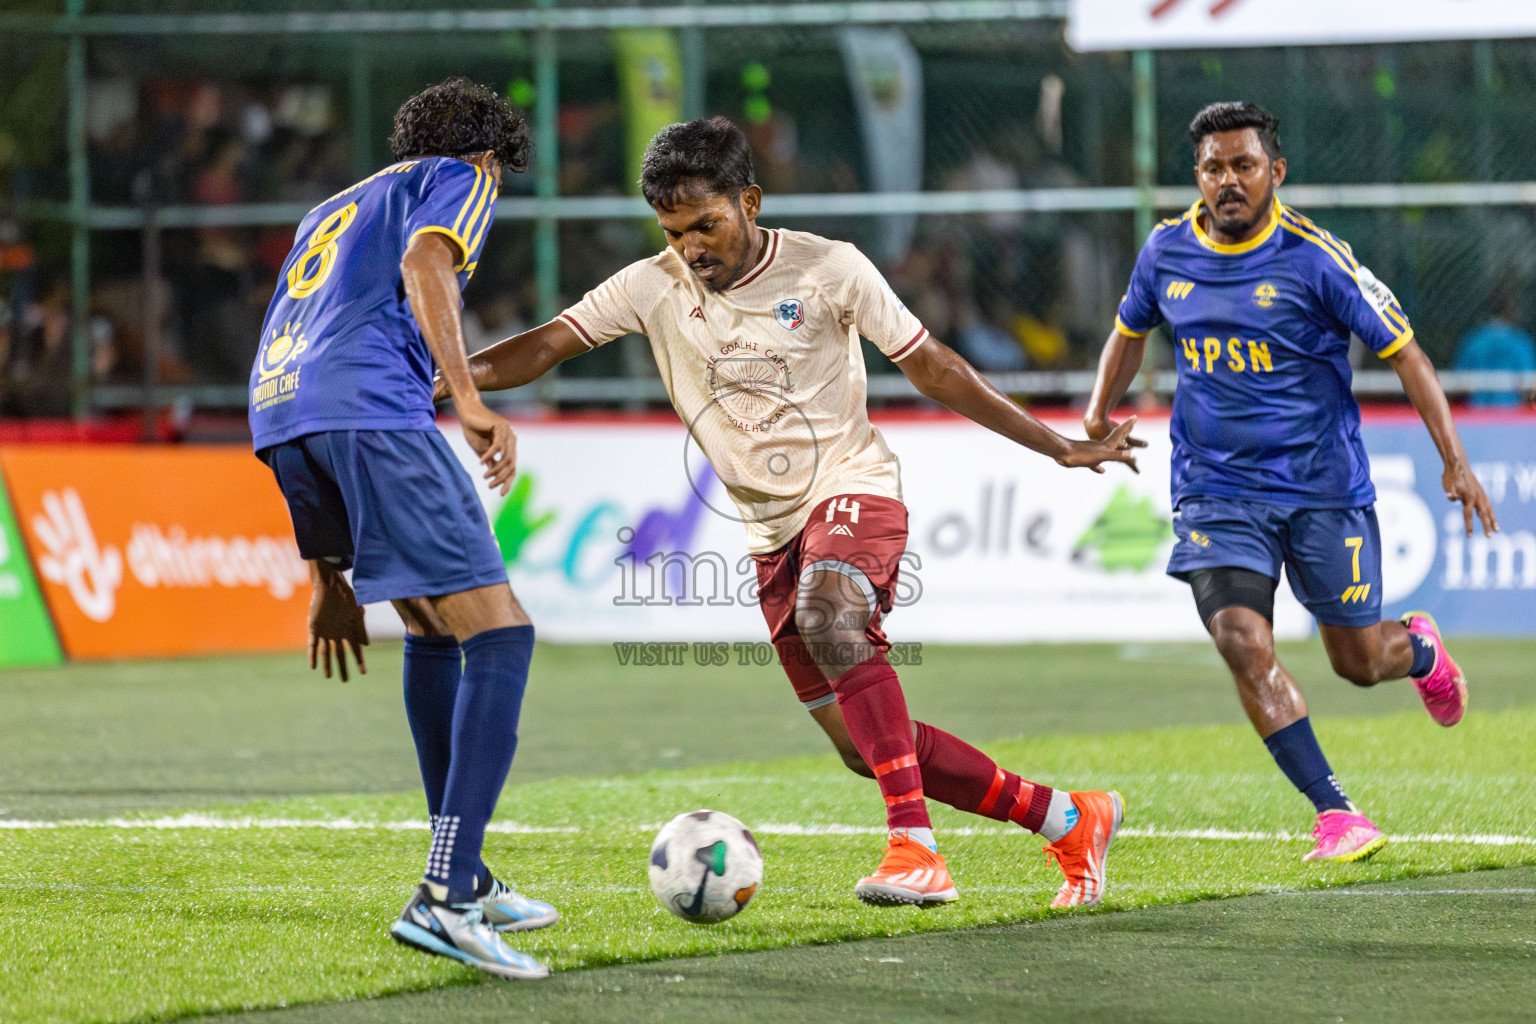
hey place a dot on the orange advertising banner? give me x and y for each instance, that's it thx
(159, 551)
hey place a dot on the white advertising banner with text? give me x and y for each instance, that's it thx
(1172, 24)
(620, 532)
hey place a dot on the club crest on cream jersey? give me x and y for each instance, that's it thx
(790, 313)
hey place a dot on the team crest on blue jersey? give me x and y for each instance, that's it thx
(275, 382)
(281, 349)
(790, 313)
(1265, 295)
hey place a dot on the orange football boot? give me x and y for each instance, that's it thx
(1080, 853)
(910, 874)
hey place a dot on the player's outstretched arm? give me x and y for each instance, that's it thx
(942, 375)
(432, 288)
(1423, 389)
(1118, 365)
(335, 621)
(523, 358)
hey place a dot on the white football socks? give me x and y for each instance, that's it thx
(917, 835)
(1059, 817)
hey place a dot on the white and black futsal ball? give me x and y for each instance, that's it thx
(705, 866)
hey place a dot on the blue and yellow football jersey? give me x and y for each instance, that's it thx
(340, 349)
(1263, 408)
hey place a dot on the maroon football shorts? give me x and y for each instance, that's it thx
(859, 536)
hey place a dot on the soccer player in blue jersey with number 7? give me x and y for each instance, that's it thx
(341, 410)
(1268, 466)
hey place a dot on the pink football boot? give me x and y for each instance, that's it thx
(1444, 690)
(1344, 837)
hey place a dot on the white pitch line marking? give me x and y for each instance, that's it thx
(1403, 892)
(205, 821)
(1474, 838)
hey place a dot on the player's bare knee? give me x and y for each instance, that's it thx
(1362, 671)
(1246, 648)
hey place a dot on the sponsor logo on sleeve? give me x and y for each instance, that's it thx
(1376, 293)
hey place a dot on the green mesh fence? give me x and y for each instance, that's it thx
(1004, 106)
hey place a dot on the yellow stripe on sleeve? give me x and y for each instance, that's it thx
(1297, 229)
(1120, 326)
(1323, 238)
(474, 243)
(1312, 225)
(438, 229)
(458, 225)
(1338, 258)
(481, 206)
(1392, 349)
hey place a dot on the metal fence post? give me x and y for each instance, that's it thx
(1144, 136)
(1144, 160)
(360, 98)
(80, 234)
(151, 313)
(546, 128)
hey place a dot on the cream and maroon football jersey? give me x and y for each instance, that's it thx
(768, 375)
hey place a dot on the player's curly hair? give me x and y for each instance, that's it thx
(704, 157)
(459, 118)
(1233, 116)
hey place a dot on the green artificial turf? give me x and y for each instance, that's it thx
(111, 923)
(91, 739)
(1424, 951)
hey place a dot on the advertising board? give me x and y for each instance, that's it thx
(159, 551)
(26, 632)
(619, 531)
(1174, 24)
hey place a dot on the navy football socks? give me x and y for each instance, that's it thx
(1295, 750)
(1423, 656)
(484, 730)
(433, 665)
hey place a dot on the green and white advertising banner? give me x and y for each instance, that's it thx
(26, 631)
(620, 531)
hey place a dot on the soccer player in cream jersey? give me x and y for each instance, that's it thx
(341, 410)
(756, 334)
(1268, 466)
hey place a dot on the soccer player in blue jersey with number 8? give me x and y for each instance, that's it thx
(1268, 466)
(341, 410)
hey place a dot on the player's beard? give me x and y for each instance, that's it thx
(723, 277)
(727, 273)
(1248, 219)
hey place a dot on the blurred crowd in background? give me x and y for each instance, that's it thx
(1010, 291)
(156, 143)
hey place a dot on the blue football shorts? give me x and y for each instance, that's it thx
(394, 506)
(1332, 556)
